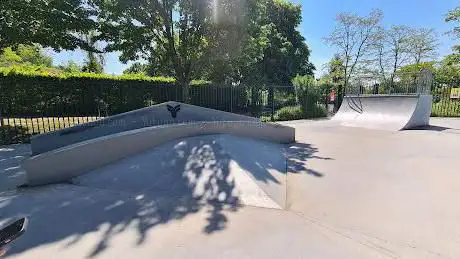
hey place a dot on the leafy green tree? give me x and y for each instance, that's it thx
(266, 47)
(25, 55)
(136, 68)
(454, 17)
(334, 74)
(354, 37)
(49, 23)
(449, 69)
(175, 28)
(307, 91)
(285, 53)
(393, 51)
(70, 67)
(423, 44)
(417, 67)
(9, 57)
(93, 65)
(336, 70)
(152, 68)
(94, 62)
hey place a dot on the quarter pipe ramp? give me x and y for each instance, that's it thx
(388, 112)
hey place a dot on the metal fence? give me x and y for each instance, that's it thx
(22, 117)
(398, 84)
(446, 99)
(23, 114)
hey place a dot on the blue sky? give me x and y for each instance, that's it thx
(319, 19)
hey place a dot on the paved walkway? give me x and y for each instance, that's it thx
(351, 193)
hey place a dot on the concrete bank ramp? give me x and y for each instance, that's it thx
(70, 161)
(219, 167)
(387, 112)
(160, 114)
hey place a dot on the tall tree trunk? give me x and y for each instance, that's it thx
(186, 92)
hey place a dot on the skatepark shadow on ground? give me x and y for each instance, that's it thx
(435, 128)
(11, 173)
(298, 154)
(65, 214)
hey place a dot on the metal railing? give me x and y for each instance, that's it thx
(397, 84)
(22, 117)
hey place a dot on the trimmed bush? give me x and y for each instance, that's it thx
(42, 94)
(289, 113)
(317, 111)
(13, 135)
(298, 113)
(307, 92)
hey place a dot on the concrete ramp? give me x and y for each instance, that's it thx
(74, 160)
(388, 112)
(160, 114)
(207, 168)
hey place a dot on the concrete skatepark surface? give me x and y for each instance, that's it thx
(182, 168)
(351, 193)
(389, 112)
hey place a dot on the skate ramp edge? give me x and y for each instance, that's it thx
(154, 115)
(421, 116)
(65, 163)
(386, 112)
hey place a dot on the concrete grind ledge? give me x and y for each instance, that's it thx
(74, 160)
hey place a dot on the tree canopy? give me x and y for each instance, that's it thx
(146, 28)
(224, 41)
(25, 55)
(354, 36)
(50, 23)
(453, 16)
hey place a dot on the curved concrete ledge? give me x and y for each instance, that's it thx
(74, 160)
(146, 117)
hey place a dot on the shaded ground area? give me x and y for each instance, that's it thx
(351, 193)
(11, 173)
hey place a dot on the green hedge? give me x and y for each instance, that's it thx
(13, 135)
(298, 113)
(446, 108)
(289, 113)
(29, 94)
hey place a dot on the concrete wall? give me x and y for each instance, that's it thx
(146, 117)
(74, 160)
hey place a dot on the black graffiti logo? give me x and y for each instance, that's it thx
(173, 110)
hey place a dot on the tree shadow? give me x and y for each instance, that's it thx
(194, 176)
(297, 156)
(11, 173)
